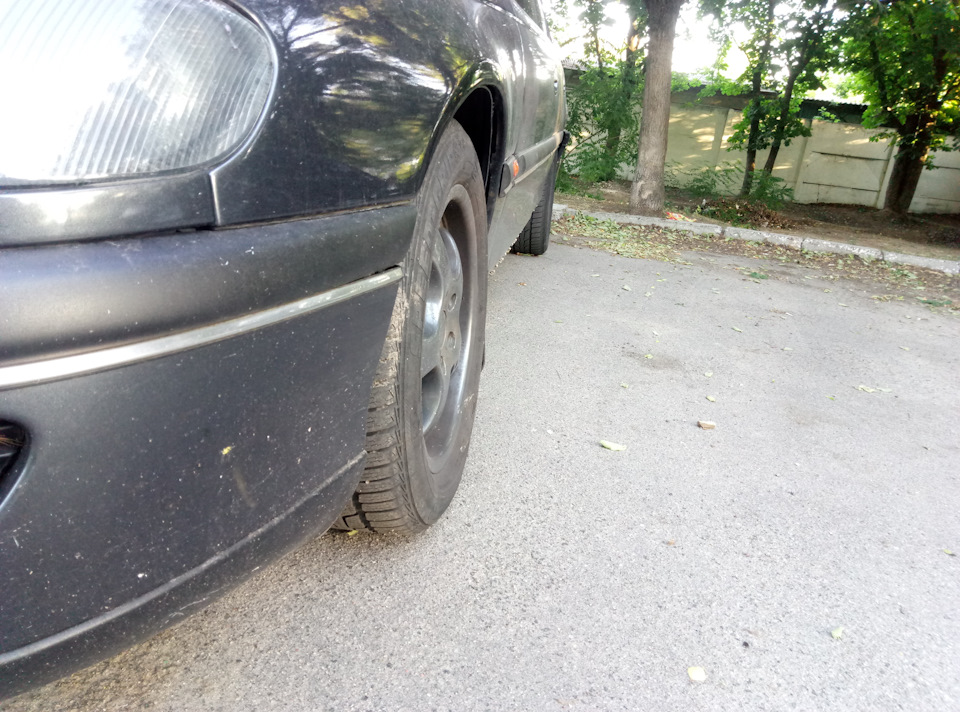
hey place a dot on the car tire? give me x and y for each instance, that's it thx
(424, 396)
(534, 239)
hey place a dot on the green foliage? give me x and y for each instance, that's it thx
(598, 228)
(634, 241)
(598, 108)
(571, 185)
(602, 116)
(907, 58)
(907, 62)
(558, 16)
(705, 181)
(711, 183)
(709, 82)
(594, 17)
(673, 175)
(770, 191)
(824, 115)
(565, 182)
(759, 109)
(791, 46)
(771, 126)
(846, 86)
(714, 181)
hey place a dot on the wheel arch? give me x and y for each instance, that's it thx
(479, 106)
(481, 114)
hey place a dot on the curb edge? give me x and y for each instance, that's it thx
(797, 242)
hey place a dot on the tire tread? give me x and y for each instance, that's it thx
(534, 239)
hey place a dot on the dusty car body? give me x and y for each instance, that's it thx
(207, 211)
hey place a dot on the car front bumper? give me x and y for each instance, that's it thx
(194, 407)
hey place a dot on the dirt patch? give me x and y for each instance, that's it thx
(885, 282)
(936, 236)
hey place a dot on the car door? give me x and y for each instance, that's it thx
(540, 128)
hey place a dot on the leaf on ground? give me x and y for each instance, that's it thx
(594, 275)
(557, 321)
(624, 385)
(706, 424)
(837, 633)
(866, 389)
(905, 348)
(697, 674)
(616, 447)
(736, 329)
(948, 552)
(885, 390)
(352, 532)
(827, 291)
(708, 374)
(648, 355)
(759, 275)
(712, 399)
(787, 348)
(648, 294)
(625, 288)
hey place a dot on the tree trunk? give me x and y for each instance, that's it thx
(811, 38)
(751, 159)
(907, 169)
(756, 87)
(647, 191)
(781, 126)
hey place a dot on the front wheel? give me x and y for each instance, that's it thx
(424, 396)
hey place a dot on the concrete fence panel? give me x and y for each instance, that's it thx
(832, 170)
(838, 163)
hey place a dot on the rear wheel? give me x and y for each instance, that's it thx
(424, 396)
(534, 239)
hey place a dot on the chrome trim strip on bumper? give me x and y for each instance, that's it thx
(67, 366)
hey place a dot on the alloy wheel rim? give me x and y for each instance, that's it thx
(442, 334)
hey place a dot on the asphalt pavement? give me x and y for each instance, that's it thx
(801, 552)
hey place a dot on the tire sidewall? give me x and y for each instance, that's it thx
(431, 486)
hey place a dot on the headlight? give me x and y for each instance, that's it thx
(98, 89)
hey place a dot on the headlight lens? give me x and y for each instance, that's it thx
(104, 89)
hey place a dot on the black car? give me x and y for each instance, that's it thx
(244, 250)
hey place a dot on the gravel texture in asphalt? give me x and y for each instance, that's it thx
(567, 576)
